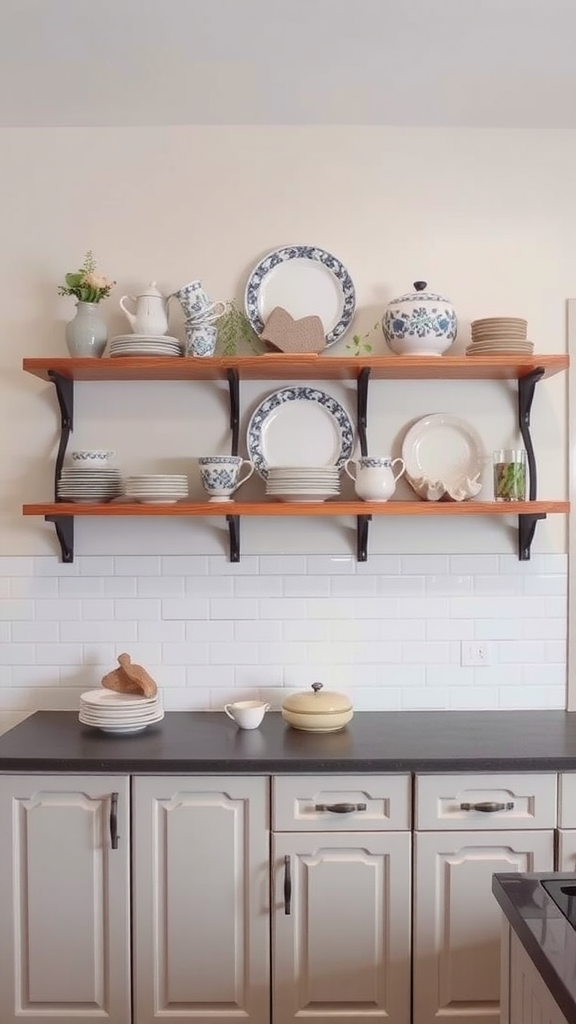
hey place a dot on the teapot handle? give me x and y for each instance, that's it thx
(402, 471)
(123, 307)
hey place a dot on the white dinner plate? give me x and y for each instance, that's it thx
(299, 426)
(443, 447)
(306, 281)
(112, 698)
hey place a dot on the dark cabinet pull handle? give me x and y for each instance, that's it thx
(340, 808)
(487, 807)
(114, 821)
(287, 887)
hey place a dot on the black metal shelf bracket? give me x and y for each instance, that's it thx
(362, 539)
(527, 521)
(64, 526)
(65, 394)
(526, 530)
(362, 408)
(234, 531)
(234, 386)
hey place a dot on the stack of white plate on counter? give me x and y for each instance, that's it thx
(89, 485)
(500, 335)
(303, 483)
(157, 488)
(145, 345)
(119, 713)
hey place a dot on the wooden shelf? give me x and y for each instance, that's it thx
(306, 367)
(280, 508)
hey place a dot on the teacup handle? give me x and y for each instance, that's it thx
(346, 470)
(248, 475)
(228, 712)
(402, 471)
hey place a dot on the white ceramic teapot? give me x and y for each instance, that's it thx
(151, 311)
(374, 479)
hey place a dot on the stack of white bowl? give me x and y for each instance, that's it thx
(500, 335)
(157, 488)
(145, 345)
(303, 483)
(119, 713)
(90, 478)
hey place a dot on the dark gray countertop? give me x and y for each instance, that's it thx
(188, 741)
(547, 936)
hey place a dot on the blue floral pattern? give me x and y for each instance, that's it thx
(254, 435)
(420, 322)
(301, 252)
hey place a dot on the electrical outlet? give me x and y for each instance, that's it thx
(474, 653)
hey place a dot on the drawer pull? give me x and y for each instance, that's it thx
(287, 887)
(340, 808)
(114, 821)
(487, 807)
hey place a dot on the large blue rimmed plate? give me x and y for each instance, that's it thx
(299, 426)
(306, 281)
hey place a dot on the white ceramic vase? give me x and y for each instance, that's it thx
(86, 334)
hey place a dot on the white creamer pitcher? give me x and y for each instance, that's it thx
(374, 479)
(151, 311)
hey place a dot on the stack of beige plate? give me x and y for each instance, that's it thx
(303, 483)
(498, 336)
(119, 713)
(157, 488)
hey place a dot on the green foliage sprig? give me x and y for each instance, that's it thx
(360, 343)
(234, 329)
(86, 284)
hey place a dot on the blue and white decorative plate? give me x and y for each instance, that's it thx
(299, 426)
(306, 281)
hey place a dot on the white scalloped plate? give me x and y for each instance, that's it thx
(443, 447)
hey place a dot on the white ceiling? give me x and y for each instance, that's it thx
(485, 63)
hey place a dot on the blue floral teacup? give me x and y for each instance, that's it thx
(221, 475)
(201, 341)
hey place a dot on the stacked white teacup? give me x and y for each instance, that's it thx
(201, 317)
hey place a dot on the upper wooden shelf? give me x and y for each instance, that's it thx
(306, 367)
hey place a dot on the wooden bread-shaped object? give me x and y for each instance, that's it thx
(130, 678)
(289, 335)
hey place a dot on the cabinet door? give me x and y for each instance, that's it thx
(530, 999)
(457, 921)
(64, 894)
(341, 927)
(201, 899)
(567, 849)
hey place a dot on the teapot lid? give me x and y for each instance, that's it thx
(152, 290)
(420, 294)
(319, 702)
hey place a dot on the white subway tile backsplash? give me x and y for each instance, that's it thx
(387, 631)
(81, 586)
(97, 608)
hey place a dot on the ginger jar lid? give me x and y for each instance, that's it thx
(319, 702)
(420, 294)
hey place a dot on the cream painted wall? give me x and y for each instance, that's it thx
(487, 217)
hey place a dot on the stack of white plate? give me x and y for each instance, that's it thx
(145, 345)
(500, 335)
(89, 485)
(119, 713)
(303, 483)
(157, 488)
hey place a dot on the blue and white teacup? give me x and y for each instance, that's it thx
(221, 475)
(193, 298)
(201, 340)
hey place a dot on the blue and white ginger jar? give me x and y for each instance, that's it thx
(420, 323)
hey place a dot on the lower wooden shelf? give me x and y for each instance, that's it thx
(280, 508)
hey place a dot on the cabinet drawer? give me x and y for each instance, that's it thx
(340, 803)
(457, 801)
(567, 800)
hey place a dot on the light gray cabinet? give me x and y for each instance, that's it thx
(525, 997)
(64, 899)
(341, 899)
(468, 827)
(202, 899)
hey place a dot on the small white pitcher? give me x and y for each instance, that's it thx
(374, 478)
